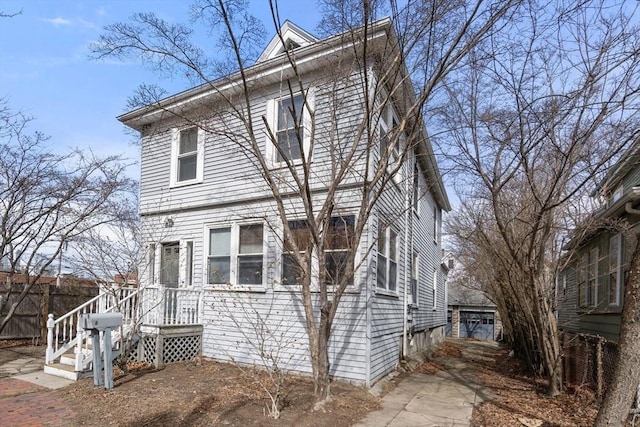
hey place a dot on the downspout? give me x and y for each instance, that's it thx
(407, 208)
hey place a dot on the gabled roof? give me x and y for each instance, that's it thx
(290, 36)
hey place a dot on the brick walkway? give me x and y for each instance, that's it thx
(26, 404)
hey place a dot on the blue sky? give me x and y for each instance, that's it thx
(45, 69)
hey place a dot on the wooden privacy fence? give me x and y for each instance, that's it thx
(30, 318)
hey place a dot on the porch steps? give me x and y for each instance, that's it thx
(65, 368)
(66, 371)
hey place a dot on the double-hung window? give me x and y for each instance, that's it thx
(581, 274)
(187, 157)
(415, 268)
(290, 134)
(416, 189)
(236, 255)
(338, 242)
(592, 288)
(434, 294)
(292, 272)
(615, 269)
(387, 265)
(390, 141)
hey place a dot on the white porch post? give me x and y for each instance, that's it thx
(200, 318)
(50, 325)
(78, 348)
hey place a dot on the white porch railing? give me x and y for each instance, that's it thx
(65, 332)
(156, 306)
(171, 306)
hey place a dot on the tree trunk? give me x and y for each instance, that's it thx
(321, 370)
(619, 397)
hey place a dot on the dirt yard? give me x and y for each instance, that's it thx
(206, 393)
(203, 393)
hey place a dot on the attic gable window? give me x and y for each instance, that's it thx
(187, 156)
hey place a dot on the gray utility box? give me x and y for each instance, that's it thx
(100, 321)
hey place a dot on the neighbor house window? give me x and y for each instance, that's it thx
(236, 255)
(592, 271)
(581, 274)
(187, 157)
(615, 269)
(387, 266)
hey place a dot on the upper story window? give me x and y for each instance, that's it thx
(290, 128)
(236, 255)
(436, 223)
(416, 188)
(387, 266)
(290, 131)
(389, 140)
(187, 156)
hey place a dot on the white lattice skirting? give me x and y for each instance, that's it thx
(169, 344)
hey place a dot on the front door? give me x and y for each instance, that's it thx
(169, 264)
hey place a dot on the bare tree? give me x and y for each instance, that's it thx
(431, 39)
(46, 200)
(531, 123)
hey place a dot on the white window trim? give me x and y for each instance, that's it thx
(617, 240)
(233, 284)
(272, 120)
(175, 150)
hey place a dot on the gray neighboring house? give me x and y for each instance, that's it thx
(470, 313)
(590, 290)
(198, 192)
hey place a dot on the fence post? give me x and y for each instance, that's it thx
(599, 368)
(50, 325)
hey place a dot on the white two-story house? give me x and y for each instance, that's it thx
(217, 256)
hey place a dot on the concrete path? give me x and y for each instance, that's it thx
(446, 398)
